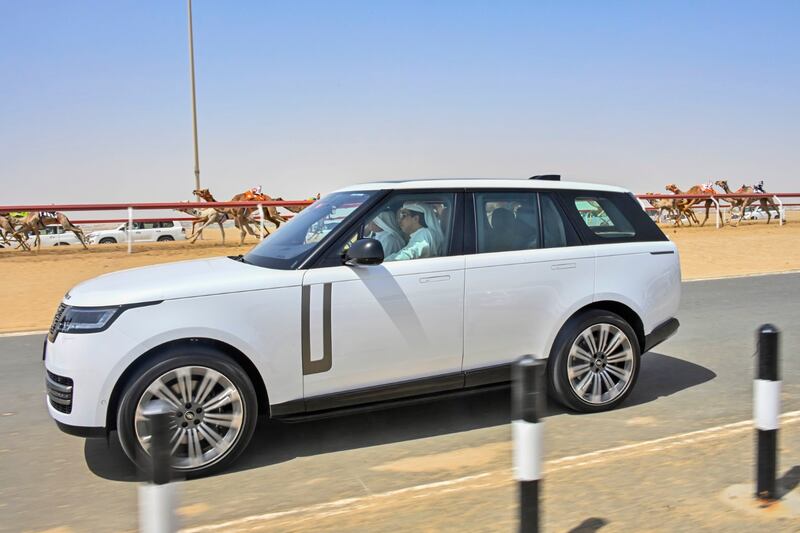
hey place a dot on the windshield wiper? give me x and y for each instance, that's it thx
(239, 258)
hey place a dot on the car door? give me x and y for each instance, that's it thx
(146, 232)
(49, 236)
(526, 276)
(388, 330)
(139, 233)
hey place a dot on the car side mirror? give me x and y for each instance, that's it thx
(364, 252)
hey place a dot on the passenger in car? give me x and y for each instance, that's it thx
(385, 230)
(425, 237)
(503, 230)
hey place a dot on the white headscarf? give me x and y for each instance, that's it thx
(391, 237)
(432, 222)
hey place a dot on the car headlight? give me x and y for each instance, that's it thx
(86, 319)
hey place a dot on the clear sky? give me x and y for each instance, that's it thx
(304, 97)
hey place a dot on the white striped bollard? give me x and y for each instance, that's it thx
(528, 404)
(158, 498)
(766, 409)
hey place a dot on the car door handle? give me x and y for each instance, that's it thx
(562, 266)
(434, 279)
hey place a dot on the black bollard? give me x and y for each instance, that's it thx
(766, 409)
(528, 405)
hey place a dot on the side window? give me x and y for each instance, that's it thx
(507, 221)
(149, 225)
(412, 225)
(556, 229)
(408, 225)
(603, 218)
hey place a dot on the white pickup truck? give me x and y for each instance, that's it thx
(142, 232)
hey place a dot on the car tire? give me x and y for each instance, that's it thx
(230, 426)
(594, 377)
(165, 238)
(108, 240)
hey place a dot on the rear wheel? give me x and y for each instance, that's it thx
(213, 409)
(108, 240)
(165, 238)
(594, 362)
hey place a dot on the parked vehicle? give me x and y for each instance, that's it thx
(54, 235)
(169, 230)
(330, 314)
(757, 213)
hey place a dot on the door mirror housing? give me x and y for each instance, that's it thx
(364, 252)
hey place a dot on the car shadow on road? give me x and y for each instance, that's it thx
(276, 442)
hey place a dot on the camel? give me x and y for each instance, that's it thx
(742, 203)
(205, 217)
(665, 204)
(34, 222)
(296, 208)
(242, 217)
(7, 227)
(270, 212)
(687, 206)
(684, 206)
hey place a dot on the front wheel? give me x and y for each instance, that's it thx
(594, 362)
(213, 409)
(108, 240)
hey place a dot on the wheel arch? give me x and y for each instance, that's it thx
(237, 355)
(629, 315)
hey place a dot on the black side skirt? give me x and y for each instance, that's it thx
(393, 395)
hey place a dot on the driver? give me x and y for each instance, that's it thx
(425, 237)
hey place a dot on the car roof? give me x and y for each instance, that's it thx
(481, 183)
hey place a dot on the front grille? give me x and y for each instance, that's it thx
(56, 321)
(59, 392)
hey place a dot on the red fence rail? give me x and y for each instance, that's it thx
(148, 206)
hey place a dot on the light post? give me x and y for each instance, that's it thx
(194, 103)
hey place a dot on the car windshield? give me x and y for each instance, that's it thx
(295, 240)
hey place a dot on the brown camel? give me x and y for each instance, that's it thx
(684, 206)
(270, 212)
(743, 203)
(204, 218)
(699, 189)
(665, 204)
(242, 217)
(35, 222)
(7, 227)
(296, 208)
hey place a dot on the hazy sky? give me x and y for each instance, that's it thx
(304, 96)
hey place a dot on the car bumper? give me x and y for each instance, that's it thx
(80, 373)
(660, 333)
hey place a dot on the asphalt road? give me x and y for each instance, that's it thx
(700, 378)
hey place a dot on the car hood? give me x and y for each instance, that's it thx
(184, 279)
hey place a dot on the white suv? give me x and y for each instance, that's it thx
(54, 235)
(375, 294)
(168, 230)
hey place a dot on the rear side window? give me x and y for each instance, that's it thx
(606, 217)
(507, 221)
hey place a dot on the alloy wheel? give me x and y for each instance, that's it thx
(206, 419)
(600, 364)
